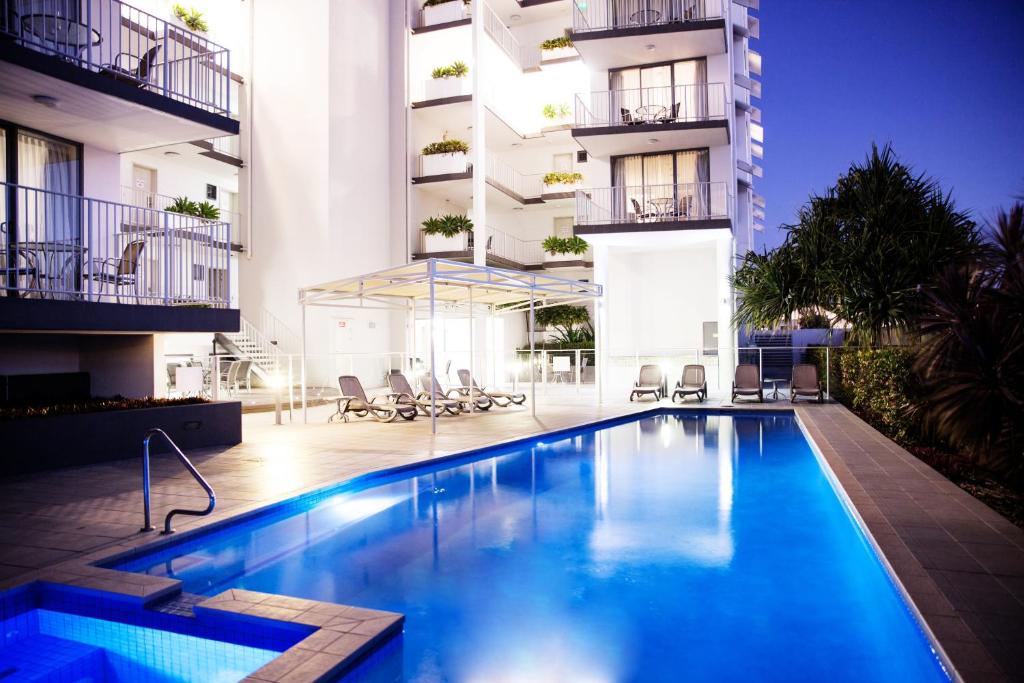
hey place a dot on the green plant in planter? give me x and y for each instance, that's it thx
(560, 111)
(560, 178)
(456, 69)
(207, 210)
(183, 205)
(571, 324)
(556, 43)
(435, 3)
(446, 146)
(555, 245)
(191, 17)
(448, 225)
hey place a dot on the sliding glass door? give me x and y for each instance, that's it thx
(665, 186)
(674, 91)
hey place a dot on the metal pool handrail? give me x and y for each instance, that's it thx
(148, 526)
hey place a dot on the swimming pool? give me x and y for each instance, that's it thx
(674, 546)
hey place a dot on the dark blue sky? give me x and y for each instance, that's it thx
(942, 80)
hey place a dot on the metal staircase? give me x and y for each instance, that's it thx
(776, 353)
(266, 345)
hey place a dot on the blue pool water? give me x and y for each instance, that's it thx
(45, 645)
(673, 547)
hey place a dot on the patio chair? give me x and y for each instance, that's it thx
(481, 402)
(502, 399)
(353, 400)
(806, 383)
(120, 272)
(693, 382)
(403, 393)
(627, 116)
(137, 74)
(747, 383)
(243, 374)
(648, 383)
(638, 210)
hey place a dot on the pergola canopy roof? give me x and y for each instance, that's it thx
(454, 283)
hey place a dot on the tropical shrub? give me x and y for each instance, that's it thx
(553, 112)
(555, 43)
(812, 320)
(448, 225)
(435, 3)
(93, 405)
(446, 146)
(570, 324)
(456, 69)
(863, 250)
(188, 207)
(555, 245)
(559, 178)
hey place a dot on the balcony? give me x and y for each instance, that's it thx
(78, 253)
(503, 250)
(620, 33)
(111, 75)
(646, 208)
(617, 122)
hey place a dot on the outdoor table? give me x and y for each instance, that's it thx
(662, 206)
(650, 113)
(645, 16)
(56, 263)
(774, 381)
(69, 36)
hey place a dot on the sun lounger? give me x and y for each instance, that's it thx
(693, 382)
(805, 383)
(481, 402)
(402, 394)
(748, 383)
(353, 400)
(648, 383)
(500, 398)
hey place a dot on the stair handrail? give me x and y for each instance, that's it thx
(278, 333)
(148, 526)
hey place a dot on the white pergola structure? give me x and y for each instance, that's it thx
(453, 284)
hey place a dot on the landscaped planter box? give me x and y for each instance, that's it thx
(34, 444)
(561, 188)
(451, 86)
(441, 164)
(444, 13)
(434, 244)
(558, 53)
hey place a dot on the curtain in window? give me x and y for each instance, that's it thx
(624, 97)
(691, 92)
(49, 215)
(693, 171)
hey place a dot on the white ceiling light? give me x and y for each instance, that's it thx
(652, 141)
(649, 47)
(45, 100)
(171, 153)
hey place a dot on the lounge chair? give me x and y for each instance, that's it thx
(481, 402)
(693, 382)
(806, 383)
(402, 393)
(353, 400)
(747, 383)
(648, 383)
(502, 399)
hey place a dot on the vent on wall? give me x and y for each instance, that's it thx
(581, 157)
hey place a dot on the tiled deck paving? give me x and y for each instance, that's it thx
(962, 563)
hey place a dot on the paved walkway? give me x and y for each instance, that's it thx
(962, 563)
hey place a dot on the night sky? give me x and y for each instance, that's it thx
(942, 81)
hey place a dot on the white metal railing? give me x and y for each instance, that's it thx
(228, 145)
(602, 15)
(652, 203)
(152, 200)
(499, 244)
(525, 56)
(668, 104)
(279, 334)
(525, 185)
(125, 44)
(63, 246)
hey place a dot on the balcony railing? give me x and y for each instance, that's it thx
(525, 56)
(523, 184)
(152, 200)
(62, 246)
(125, 44)
(638, 204)
(499, 244)
(602, 15)
(668, 104)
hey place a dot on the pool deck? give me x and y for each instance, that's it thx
(961, 563)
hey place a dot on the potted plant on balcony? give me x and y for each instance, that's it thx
(558, 113)
(445, 156)
(191, 18)
(448, 81)
(444, 11)
(557, 248)
(444, 233)
(557, 48)
(558, 182)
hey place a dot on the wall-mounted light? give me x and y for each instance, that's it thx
(45, 100)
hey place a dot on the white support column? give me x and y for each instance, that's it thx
(433, 374)
(305, 412)
(533, 375)
(472, 374)
(726, 334)
(478, 152)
